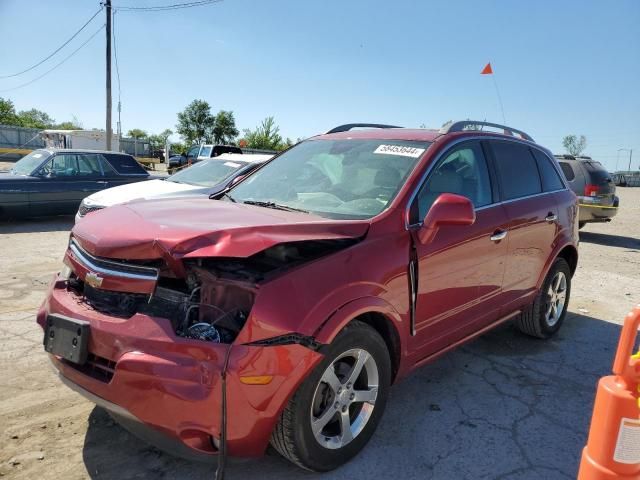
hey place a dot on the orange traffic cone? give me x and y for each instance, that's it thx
(613, 447)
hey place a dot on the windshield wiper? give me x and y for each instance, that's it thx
(275, 206)
(225, 194)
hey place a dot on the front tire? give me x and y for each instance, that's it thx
(337, 408)
(545, 316)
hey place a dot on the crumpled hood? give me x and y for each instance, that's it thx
(137, 190)
(194, 227)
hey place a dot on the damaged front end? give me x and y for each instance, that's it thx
(208, 299)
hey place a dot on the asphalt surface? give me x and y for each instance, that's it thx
(504, 406)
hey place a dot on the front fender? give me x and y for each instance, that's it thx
(328, 331)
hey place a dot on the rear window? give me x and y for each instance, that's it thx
(551, 180)
(125, 164)
(567, 170)
(597, 172)
(517, 170)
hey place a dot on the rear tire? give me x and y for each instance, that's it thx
(335, 411)
(544, 317)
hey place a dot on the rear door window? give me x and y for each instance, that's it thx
(108, 170)
(124, 164)
(567, 169)
(517, 170)
(551, 180)
(205, 152)
(89, 165)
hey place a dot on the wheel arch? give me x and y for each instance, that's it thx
(566, 251)
(570, 254)
(377, 314)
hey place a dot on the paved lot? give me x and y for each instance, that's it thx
(503, 407)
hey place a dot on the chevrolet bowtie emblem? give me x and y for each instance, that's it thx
(93, 279)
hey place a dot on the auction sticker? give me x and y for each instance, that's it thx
(628, 443)
(399, 150)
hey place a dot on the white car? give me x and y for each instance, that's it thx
(203, 178)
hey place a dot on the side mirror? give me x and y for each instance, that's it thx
(448, 209)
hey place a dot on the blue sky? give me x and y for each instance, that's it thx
(562, 66)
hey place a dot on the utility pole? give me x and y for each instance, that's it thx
(630, 153)
(107, 4)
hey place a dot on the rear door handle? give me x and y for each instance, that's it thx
(551, 217)
(498, 235)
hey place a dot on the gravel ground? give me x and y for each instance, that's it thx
(502, 407)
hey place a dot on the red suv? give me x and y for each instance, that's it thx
(283, 312)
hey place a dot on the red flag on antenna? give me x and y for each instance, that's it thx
(487, 69)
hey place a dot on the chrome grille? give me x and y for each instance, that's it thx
(112, 267)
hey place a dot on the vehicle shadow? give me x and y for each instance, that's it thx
(37, 225)
(610, 240)
(504, 405)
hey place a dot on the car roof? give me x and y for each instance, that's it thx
(451, 129)
(415, 134)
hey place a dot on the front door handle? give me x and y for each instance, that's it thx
(498, 235)
(551, 217)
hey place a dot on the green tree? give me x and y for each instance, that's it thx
(73, 124)
(8, 114)
(160, 140)
(178, 148)
(165, 134)
(224, 130)
(574, 145)
(35, 119)
(137, 133)
(266, 136)
(195, 122)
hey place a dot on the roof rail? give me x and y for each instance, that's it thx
(463, 124)
(350, 126)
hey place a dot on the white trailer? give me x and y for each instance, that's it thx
(81, 139)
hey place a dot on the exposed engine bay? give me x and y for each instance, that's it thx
(214, 298)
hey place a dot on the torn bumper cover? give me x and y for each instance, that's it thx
(147, 376)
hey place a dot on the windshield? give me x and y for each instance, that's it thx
(341, 179)
(205, 151)
(208, 173)
(27, 164)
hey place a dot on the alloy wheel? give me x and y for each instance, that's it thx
(344, 399)
(557, 297)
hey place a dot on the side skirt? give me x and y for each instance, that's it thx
(474, 335)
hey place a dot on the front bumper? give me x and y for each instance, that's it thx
(172, 385)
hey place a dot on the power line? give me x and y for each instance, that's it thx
(55, 66)
(161, 8)
(56, 50)
(20, 147)
(115, 51)
(115, 54)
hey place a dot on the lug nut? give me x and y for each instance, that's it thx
(344, 409)
(352, 396)
(339, 390)
(349, 386)
(336, 405)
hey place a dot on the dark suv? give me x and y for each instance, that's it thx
(594, 187)
(283, 311)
